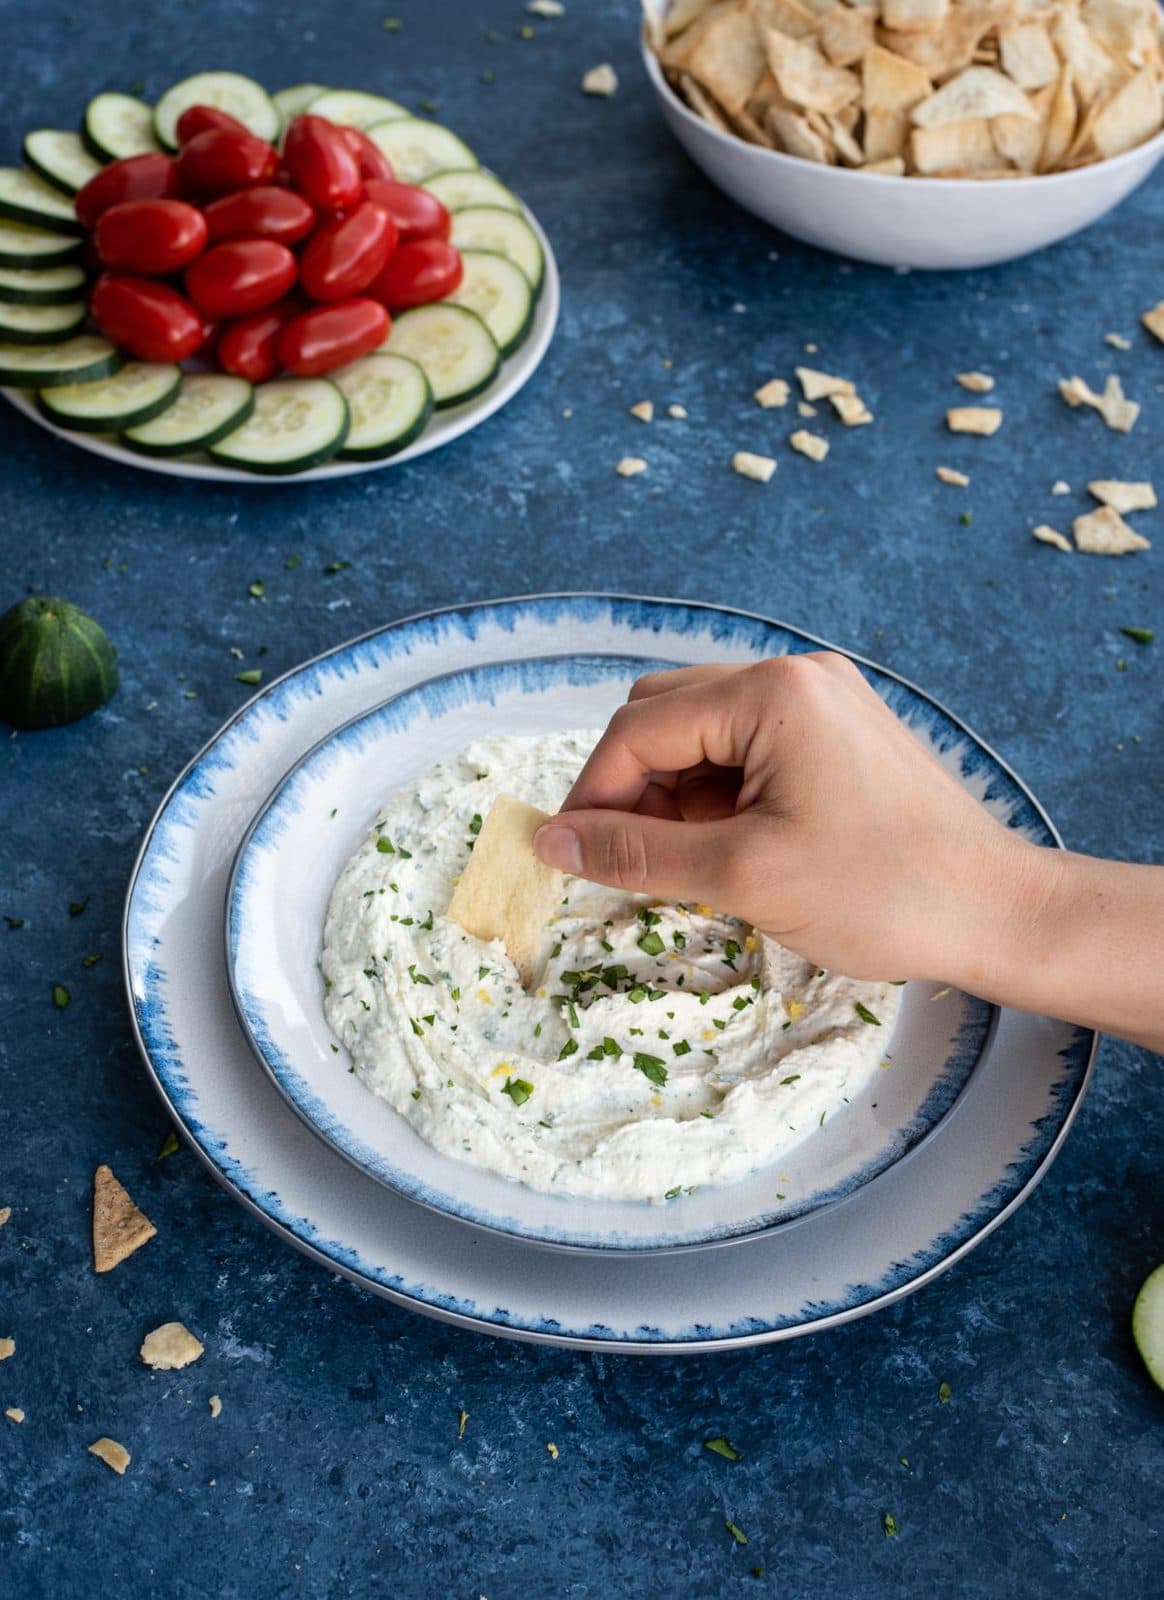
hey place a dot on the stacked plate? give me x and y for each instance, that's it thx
(222, 932)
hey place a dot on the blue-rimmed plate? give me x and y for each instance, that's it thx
(278, 897)
(887, 1239)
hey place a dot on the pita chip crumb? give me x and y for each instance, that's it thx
(1113, 405)
(1105, 533)
(14, 1414)
(644, 411)
(1123, 496)
(5, 1214)
(1117, 341)
(7, 1348)
(772, 393)
(170, 1347)
(119, 1228)
(113, 1454)
(976, 382)
(215, 1406)
(1154, 321)
(505, 892)
(809, 444)
(630, 466)
(951, 475)
(601, 80)
(759, 468)
(819, 385)
(803, 409)
(1060, 486)
(546, 8)
(1045, 534)
(851, 409)
(983, 420)
(678, 412)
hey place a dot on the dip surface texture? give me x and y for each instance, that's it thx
(663, 1048)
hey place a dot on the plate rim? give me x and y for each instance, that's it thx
(979, 1026)
(1084, 1042)
(465, 418)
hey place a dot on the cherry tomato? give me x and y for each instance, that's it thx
(417, 272)
(220, 161)
(150, 320)
(250, 347)
(330, 336)
(265, 212)
(370, 159)
(148, 177)
(196, 119)
(240, 276)
(320, 164)
(150, 236)
(344, 256)
(416, 213)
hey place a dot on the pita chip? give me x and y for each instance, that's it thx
(1123, 496)
(952, 45)
(1105, 533)
(846, 35)
(170, 1347)
(889, 83)
(113, 1454)
(1045, 534)
(505, 892)
(1061, 118)
(727, 58)
(983, 420)
(1028, 56)
(786, 16)
(977, 92)
(1093, 69)
(1154, 321)
(819, 385)
(1132, 115)
(119, 1228)
(961, 147)
(913, 16)
(805, 77)
(773, 393)
(1018, 139)
(796, 136)
(680, 15)
(889, 167)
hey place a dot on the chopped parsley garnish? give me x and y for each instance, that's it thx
(570, 1048)
(651, 1068)
(417, 977)
(1140, 635)
(704, 996)
(673, 1194)
(518, 1090)
(257, 589)
(606, 945)
(740, 1002)
(427, 923)
(572, 1013)
(416, 1094)
(720, 1446)
(336, 566)
(737, 1532)
(679, 940)
(482, 972)
(718, 1024)
(294, 560)
(945, 1394)
(889, 1524)
(681, 1048)
(648, 918)
(416, 1028)
(405, 855)
(61, 996)
(651, 944)
(475, 824)
(385, 846)
(90, 961)
(455, 993)
(14, 922)
(168, 1146)
(730, 951)
(76, 907)
(866, 1015)
(637, 995)
(252, 677)
(795, 1078)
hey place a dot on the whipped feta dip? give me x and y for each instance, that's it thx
(663, 1048)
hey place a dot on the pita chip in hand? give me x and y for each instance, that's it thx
(505, 892)
(119, 1228)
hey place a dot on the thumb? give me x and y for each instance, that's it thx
(647, 855)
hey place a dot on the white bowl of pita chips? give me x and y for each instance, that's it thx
(915, 133)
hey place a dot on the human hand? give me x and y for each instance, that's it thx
(787, 793)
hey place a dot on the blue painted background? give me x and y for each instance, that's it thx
(335, 1468)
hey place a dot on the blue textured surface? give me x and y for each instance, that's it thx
(335, 1468)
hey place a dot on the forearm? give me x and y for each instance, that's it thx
(1078, 938)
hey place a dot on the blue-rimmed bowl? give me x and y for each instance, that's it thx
(277, 901)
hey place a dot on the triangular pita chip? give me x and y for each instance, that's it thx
(1028, 56)
(891, 84)
(1060, 123)
(846, 35)
(505, 892)
(1133, 114)
(805, 77)
(727, 58)
(119, 1228)
(954, 147)
(951, 45)
(977, 92)
(1105, 533)
(913, 16)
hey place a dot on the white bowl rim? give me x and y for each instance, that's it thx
(855, 174)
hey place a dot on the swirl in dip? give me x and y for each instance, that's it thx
(665, 1046)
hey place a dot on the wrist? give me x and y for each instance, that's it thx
(1007, 940)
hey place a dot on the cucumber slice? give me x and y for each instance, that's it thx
(24, 197)
(229, 91)
(499, 292)
(78, 360)
(1148, 1325)
(491, 228)
(390, 402)
(417, 149)
(468, 186)
(208, 406)
(140, 391)
(117, 125)
(22, 245)
(60, 159)
(458, 353)
(297, 423)
(291, 101)
(41, 324)
(40, 286)
(352, 108)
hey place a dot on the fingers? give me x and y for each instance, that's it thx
(699, 861)
(655, 683)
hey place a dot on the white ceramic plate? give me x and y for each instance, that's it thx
(886, 1239)
(277, 902)
(443, 427)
